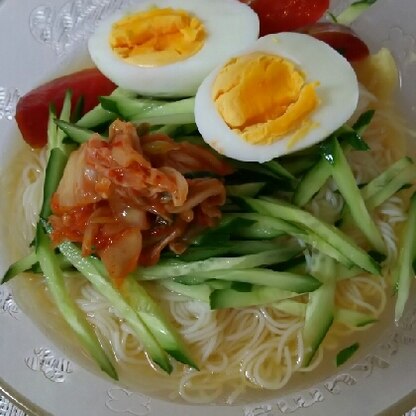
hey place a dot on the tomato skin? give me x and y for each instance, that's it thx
(341, 38)
(33, 108)
(287, 15)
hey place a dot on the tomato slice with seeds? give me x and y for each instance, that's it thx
(32, 110)
(287, 15)
(341, 38)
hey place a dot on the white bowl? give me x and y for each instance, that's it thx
(40, 39)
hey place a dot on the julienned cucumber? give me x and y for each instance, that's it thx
(128, 108)
(197, 292)
(311, 183)
(405, 177)
(313, 226)
(66, 306)
(58, 154)
(384, 186)
(259, 295)
(87, 267)
(235, 247)
(403, 272)
(250, 189)
(264, 226)
(320, 310)
(353, 11)
(278, 169)
(145, 110)
(172, 268)
(283, 280)
(98, 115)
(345, 316)
(152, 316)
(344, 178)
(77, 134)
(64, 116)
(20, 266)
(381, 181)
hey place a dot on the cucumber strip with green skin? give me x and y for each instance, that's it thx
(174, 112)
(172, 268)
(323, 246)
(320, 310)
(31, 264)
(182, 132)
(256, 168)
(361, 125)
(98, 116)
(258, 231)
(299, 165)
(265, 226)
(344, 178)
(345, 316)
(77, 134)
(381, 181)
(66, 306)
(20, 266)
(202, 253)
(353, 318)
(276, 167)
(53, 174)
(129, 108)
(311, 183)
(175, 118)
(259, 295)
(197, 292)
(250, 189)
(78, 110)
(268, 227)
(405, 177)
(257, 276)
(87, 266)
(403, 270)
(353, 11)
(230, 247)
(345, 354)
(64, 116)
(222, 232)
(316, 177)
(52, 130)
(58, 156)
(252, 246)
(147, 309)
(328, 233)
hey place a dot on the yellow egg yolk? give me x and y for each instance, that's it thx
(264, 97)
(157, 37)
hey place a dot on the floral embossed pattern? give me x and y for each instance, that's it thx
(53, 368)
(7, 408)
(8, 101)
(7, 304)
(125, 402)
(62, 28)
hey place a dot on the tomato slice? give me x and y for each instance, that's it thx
(287, 15)
(33, 108)
(340, 37)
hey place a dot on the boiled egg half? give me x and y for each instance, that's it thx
(166, 47)
(284, 93)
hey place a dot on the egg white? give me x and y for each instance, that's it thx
(338, 93)
(230, 27)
